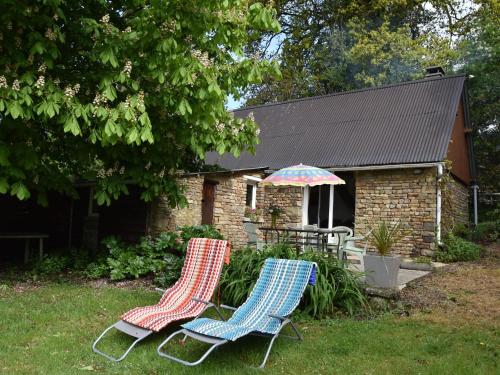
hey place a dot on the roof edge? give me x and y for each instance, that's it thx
(422, 80)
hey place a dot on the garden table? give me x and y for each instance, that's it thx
(299, 236)
(27, 237)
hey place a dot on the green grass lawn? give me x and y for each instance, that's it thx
(49, 330)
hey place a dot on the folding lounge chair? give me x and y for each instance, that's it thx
(188, 298)
(274, 297)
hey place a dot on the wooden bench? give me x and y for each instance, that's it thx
(27, 237)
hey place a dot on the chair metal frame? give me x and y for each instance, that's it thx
(138, 332)
(216, 342)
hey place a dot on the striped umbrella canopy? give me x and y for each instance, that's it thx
(302, 175)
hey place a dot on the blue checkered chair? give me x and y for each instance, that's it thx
(274, 297)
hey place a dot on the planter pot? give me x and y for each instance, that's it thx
(382, 271)
(251, 231)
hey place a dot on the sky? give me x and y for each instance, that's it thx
(233, 103)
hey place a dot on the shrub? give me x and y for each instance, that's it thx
(457, 249)
(126, 261)
(162, 256)
(199, 231)
(51, 264)
(336, 287)
(171, 270)
(96, 270)
(488, 231)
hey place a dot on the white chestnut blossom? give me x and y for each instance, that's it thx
(3, 82)
(50, 34)
(15, 85)
(219, 126)
(105, 18)
(127, 69)
(202, 57)
(140, 99)
(42, 68)
(40, 82)
(101, 173)
(168, 26)
(70, 92)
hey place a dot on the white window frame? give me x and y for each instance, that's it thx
(305, 208)
(252, 181)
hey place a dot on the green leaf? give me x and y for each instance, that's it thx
(110, 93)
(20, 190)
(144, 120)
(38, 47)
(132, 136)
(15, 109)
(4, 185)
(71, 125)
(4, 156)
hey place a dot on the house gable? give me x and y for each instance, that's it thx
(458, 148)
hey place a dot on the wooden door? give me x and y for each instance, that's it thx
(207, 203)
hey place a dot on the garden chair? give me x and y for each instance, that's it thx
(338, 240)
(274, 297)
(188, 298)
(350, 247)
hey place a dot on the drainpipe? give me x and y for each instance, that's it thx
(438, 202)
(475, 188)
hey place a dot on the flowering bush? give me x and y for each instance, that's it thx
(121, 92)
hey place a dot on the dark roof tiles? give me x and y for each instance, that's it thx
(409, 122)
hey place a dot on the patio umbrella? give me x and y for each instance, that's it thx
(302, 175)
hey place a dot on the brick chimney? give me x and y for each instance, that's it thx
(434, 72)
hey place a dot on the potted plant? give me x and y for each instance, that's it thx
(381, 268)
(275, 212)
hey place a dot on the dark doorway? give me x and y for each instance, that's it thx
(207, 203)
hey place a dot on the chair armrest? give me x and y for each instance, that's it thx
(356, 238)
(228, 307)
(201, 301)
(279, 317)
(160, 290)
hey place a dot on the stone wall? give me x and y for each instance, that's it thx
(164, 218)
(289, 198)
(455, 204)
(229, 206)
(405, 194)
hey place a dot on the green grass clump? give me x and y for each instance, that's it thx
(50, 330)
(336, 287)
(457, 249)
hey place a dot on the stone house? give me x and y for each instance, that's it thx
(404, 150)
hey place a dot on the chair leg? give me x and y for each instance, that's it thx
(268, 351)
(111, 358)
(181, 361)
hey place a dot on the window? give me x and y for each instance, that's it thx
(251, 193)
(250, 201)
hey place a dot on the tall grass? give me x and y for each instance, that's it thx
(336, 287)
